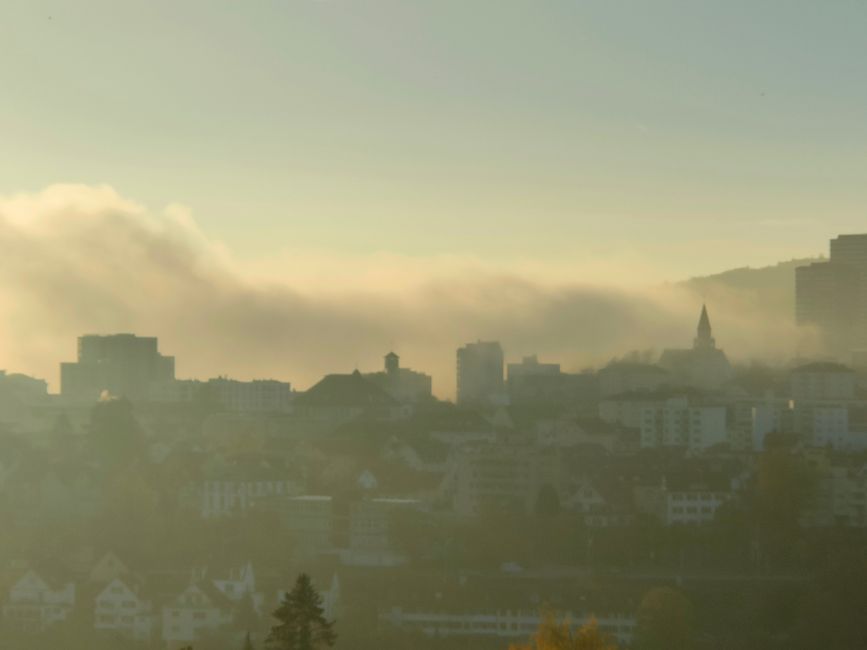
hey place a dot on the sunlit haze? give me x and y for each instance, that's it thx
(433, 325)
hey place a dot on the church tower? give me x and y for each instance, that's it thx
(704, 339)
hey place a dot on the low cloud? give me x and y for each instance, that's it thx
(83, 259)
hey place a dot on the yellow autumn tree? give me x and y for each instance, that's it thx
(558, 635)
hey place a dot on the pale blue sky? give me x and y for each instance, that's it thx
(690, 136)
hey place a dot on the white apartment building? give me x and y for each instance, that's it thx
(832, 428)
(221, 497)
(689, 506)
(676, 423)
(506, 624)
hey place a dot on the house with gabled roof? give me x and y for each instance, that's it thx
(122, 609)
(37, 600)
(199, 608)
(108, 568)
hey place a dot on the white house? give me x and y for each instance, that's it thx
(35, 604)
(198, 608)
(120, 609)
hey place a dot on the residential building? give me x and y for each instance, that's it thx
(533, 383)
(199, 607)
(822, 381)
(769, 416)
(502, 478)
(121, 610)
(687, 505)
(839, 493)
(36, 601)
(500, 623)
(816, 388)
(231, 492)
(676, 422)
(256, 396)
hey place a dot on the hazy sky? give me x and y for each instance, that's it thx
(672, 137)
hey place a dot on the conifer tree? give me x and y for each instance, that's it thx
(302, 623)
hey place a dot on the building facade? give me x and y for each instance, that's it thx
(480, 373)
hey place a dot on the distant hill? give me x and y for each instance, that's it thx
(773, 287)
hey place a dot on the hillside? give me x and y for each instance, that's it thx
(773, 287)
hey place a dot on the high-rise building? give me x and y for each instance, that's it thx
(123, 365)
(850, 250)
(480, 373)
(832, 296)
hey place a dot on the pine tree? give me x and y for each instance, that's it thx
(302, 620)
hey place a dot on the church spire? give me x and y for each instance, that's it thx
(704, 338)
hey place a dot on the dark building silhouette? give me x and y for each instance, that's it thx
(123, 365)
(702, 366)
(402, 384)
(832, 296)
(533, 383)
(480, 373)
(338, 398)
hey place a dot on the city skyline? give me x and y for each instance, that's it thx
(86, 259)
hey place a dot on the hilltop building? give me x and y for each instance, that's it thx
(403, 384)
(340, 398)
(704, 365)
(480, 373)
(124, 365)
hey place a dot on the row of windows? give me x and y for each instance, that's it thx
(109, 604)
(107, 619)
(693, 510)
(704, 496)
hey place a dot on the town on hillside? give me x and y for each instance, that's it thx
(690, 499)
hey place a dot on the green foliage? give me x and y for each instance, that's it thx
(302, 620)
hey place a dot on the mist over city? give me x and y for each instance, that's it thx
(436, 325)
